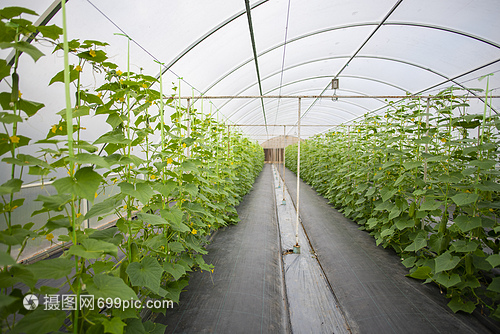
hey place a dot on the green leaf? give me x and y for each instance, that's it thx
(115, 325)
(9, 118)
(55, 202)
(151, 219)
(176, 270)
(458, 305)
(142, 191)
(52, 268)
(495, 285)
(176, 247)
(52, 32)
(165, 189)
(4, 69)
(409, 262)
(147, 273)
(174, 289)
(447, 280)
(84, 184)
(402, 224)
(484, 164)
(59, 77)
(466, 223)
(40, 321)
(387, 193)
(10, 12)
(99, 57)
(10, 187)
(412, 164)
(430, 205)
(112, 138)
(17, 274)
(421, 273)
(446, 261)
(464, 198)
(6, 259)
(93, 249)
(86, 158)
(188, 166)
(494, 260)
(23, 46)
(105, 207)
(110, 287)
(419, 242)
(153, 327)
(464, 246)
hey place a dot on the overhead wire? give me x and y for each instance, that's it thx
(283, 61)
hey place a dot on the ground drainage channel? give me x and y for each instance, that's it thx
(312, 305)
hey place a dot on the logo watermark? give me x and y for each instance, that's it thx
(68, 302)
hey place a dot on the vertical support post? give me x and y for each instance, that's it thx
(188, 152)
(228, 140)
(297, 247)
(427, 134)
(284, 146)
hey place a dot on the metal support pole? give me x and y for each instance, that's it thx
(228, 140)
(188, 152)
(427, 134)
(296, 248)
(284, 146)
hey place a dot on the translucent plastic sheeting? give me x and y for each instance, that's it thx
(312, 305)
(421, 46)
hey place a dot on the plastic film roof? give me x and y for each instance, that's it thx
(382, 47)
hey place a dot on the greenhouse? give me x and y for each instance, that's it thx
(252, 166)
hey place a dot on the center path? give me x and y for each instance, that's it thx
(369, 281)
(245, 292)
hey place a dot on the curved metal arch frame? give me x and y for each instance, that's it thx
(338, 57)
(352, 26)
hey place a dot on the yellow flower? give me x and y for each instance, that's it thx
(78, 215)
(169, 161)
(194, 231)
(54, 128)
(443, 140)
(95, 195)
(144, 85)
(49, 237)
(491, 210)
(20, 94)
(14, 139)
(209, 224)
(152, 177)
(99, 94)
(212, 270)
(121, 81)
(78, 68)
(92, 53)
(121, 99)
(15, 207)
(124, 207)
(119, 72)
(375, 174)
(60, 128)
(184, 145)
(231, 162)
(380, 168)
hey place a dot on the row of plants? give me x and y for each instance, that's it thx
(177, 183)
(422, 179)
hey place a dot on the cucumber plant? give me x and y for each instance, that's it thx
(422, 179)
(169, 185)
